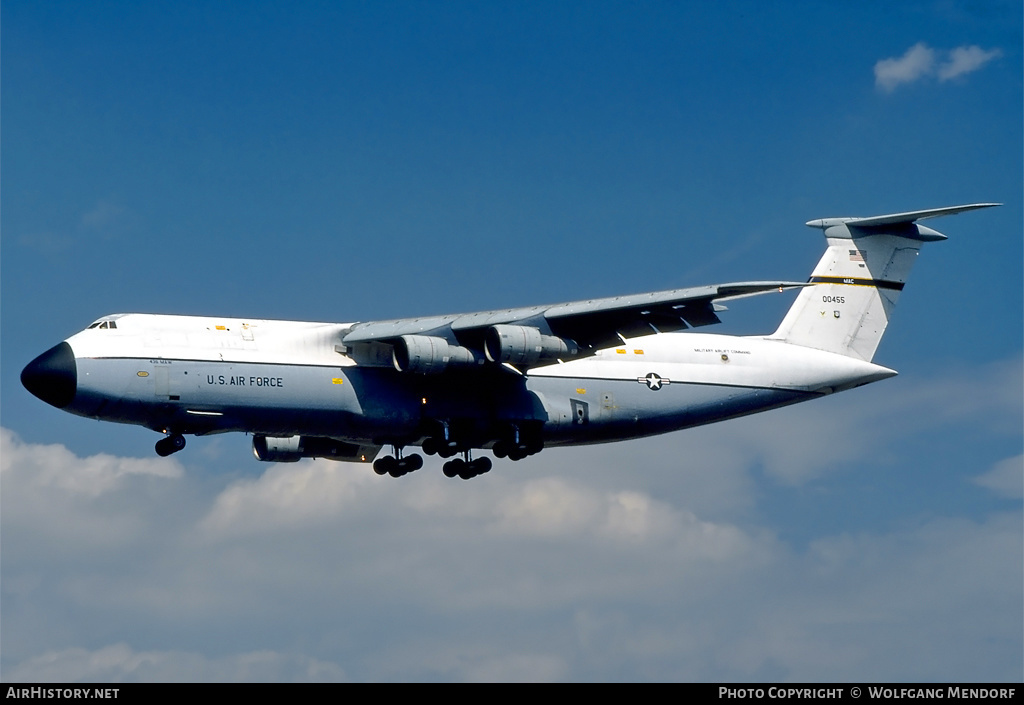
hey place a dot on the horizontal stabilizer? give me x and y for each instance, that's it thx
(901, 223)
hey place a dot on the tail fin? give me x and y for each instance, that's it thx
(858, 280)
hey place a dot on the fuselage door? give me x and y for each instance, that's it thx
(166, 384)
(161, 381)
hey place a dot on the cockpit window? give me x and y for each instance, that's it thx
(103, 325)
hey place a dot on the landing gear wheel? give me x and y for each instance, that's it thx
(478, 467)
(454, 467)
(516, 443)
(382, 466)
(396, 467)
(467, 469)
(169, 445)
(406, 465)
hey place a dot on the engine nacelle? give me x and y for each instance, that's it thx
(277, 450)
(524, 345)
(291, 449)
(427, 354)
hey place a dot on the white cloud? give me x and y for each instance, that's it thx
(58, 497)
(964, 60)
(290, 496)
(303, 496)
(1006, 478)
(556, 508)
(550, 507)
(921, 61)
(47, 242)
(103, 215)
(56, 467)
(918, 61)
(515, 668)
(119, 663)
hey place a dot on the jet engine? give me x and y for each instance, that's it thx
(524, 345)
(429, 354)
(291, 449)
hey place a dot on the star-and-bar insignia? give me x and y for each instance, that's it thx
(654, 382)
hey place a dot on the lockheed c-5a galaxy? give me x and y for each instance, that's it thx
(511, 382)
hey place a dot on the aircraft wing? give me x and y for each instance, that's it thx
(584, 325)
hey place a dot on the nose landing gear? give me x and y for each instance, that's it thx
(170, 445)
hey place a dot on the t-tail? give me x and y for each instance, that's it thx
(858, 281)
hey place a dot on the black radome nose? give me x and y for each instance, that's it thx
(53, 376)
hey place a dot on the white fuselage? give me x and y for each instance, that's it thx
(282, 378)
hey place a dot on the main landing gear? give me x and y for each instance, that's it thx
(516, 445)
(169, 445)
(467, 468)
(446, 439)
(396, 465)
(442, 443)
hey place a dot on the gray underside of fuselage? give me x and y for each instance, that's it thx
(383, 406)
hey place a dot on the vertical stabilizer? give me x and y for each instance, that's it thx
(858, 280)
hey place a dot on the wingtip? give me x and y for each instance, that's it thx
(971, 207)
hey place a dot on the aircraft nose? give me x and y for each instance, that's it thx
(53, 376)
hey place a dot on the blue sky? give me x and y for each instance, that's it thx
(353, 161)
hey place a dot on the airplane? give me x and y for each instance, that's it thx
(510, 381)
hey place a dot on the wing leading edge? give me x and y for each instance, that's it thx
(542, 334)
